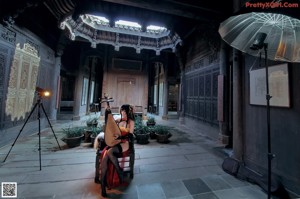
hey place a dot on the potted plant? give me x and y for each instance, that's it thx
(151, 130)
(92, 121)
(89, 131)
(162, 133)
(73, 136)
(95, 131)
(151, 121)
(142, 135)
(141, 132)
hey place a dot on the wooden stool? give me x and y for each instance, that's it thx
(126, 161)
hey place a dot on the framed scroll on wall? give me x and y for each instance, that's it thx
(278, 86)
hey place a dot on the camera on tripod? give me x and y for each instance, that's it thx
(42, 92)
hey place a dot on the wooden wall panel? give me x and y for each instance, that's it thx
(127, 89)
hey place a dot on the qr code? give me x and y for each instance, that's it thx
(9, 190)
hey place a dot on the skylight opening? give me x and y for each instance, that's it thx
(156, 28)
(100, 18)
(128, 23)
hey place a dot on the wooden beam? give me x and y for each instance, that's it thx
(173, 8)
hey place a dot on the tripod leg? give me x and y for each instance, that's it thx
(40, 151)
(50, 125)
(20, 131)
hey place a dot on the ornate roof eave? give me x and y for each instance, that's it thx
(120, 37)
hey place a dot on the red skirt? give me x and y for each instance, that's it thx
(112, 177)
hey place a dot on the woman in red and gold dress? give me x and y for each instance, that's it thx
(126, 125)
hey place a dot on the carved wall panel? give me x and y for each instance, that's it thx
(20, 69)
(22, 81)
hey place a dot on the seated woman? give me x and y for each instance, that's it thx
(126, 125)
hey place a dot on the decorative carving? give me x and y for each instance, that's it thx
(2, 70)
(24, 75)
(210, 34)
(34, 73)
(22, 82)
(14, 73)
(9, 36)
(31, 47)
(213, 57)
(198, 64)
(50, 55)
(98, 31)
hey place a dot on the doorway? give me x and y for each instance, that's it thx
(173, 99)
(66, 105)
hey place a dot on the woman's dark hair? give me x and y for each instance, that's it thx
(129, 111)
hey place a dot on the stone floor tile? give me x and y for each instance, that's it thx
(150, 191)
(196, 186)
(247, 192)
(215, 182)
(233, 181)
(209, 195)
(174, 189)
(184, 197)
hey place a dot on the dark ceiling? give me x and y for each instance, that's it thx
(43, 17)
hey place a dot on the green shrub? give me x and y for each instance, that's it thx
(94, 130)
(151, 120)
(139, 127)
(92, 121)
(162, 130)
(73, 131)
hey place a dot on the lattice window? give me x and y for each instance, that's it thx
(201, 99)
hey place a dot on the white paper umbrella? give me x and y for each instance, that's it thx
(283, 34)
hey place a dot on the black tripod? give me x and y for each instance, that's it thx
(38, 104)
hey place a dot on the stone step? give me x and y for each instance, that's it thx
(65, 116)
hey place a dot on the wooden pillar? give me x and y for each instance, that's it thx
(182, 98)
(165, 93)
(55, 92)
(223, 104)
(237, 100)
(89, 85)
(181, 56)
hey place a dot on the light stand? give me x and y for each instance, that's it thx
(38, 104)
(259, 44)
(268, 97)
